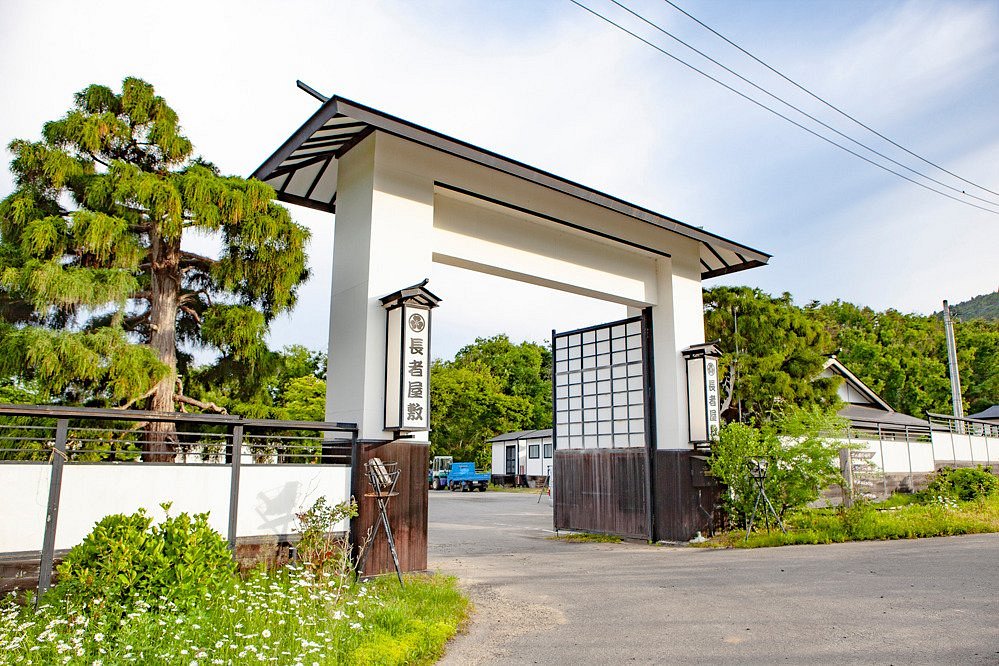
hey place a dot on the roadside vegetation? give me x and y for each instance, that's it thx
(962, 501)
(587, 537)
(168, 593)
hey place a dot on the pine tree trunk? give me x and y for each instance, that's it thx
(164, 295)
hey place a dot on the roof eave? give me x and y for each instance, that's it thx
(410, 131)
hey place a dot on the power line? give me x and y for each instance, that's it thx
(775, 112)
(828, 104)
(798, 109)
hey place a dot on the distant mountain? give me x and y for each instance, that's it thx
(985, 306)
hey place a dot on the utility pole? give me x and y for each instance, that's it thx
(955, 376)
(735, 316)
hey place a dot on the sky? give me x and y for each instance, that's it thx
(546, 83)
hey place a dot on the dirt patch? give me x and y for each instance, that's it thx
(496, 620)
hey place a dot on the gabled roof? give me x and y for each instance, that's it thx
(521, 434)
(304, 171)
(858, 414)
(860, 387)
(989, 414)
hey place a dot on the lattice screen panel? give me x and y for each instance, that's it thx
(599, 391)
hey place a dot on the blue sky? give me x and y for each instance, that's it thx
(543, 82)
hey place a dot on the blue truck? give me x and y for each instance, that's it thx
(445, 473)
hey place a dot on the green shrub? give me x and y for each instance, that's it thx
(965, 483)
(126, 559)
(801, 457)
(323, 551)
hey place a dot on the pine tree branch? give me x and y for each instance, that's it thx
(139, 425)
(98, 160)
(210, 406)
(131, 402)
(191, 312)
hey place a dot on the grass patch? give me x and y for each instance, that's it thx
(286, 617)
(587, 537)
(897, 519)
(510, 489)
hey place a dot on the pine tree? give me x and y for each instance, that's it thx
(96, 285)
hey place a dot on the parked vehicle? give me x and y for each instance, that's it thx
(445, 473)
(463, 476)
(439, 467)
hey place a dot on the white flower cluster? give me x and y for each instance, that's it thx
(287, 617)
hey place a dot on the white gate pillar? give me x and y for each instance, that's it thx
(677, 323)
(381, 243)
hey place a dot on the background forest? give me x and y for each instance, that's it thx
(494, 385)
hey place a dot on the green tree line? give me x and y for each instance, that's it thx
(903, 357)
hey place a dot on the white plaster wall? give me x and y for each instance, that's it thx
(480, 238)
(382, 243)
(270, 495)
(534, 465)
(965, 448)
(499, 458)
(677, 323)
(896, 455)
(393, 221)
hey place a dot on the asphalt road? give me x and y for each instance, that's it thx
(928, 601)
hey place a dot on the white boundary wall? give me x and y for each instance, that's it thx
(946, 448)
(896, 456)
(269, 497)
(953, 446)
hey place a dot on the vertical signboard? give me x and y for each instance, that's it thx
(711, 394)
(696, 396)
(415, 394)
(407, 359)
(703, 393)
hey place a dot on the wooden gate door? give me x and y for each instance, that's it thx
(604, 428)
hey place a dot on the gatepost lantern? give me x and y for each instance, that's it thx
(703, 403)
(407, 358)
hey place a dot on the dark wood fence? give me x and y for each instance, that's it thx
(601, 490)
(407, 511)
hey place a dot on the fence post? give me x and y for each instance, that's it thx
(884, 472)
(52, 513)
(236, 460)
(908, 453)
(953, 449)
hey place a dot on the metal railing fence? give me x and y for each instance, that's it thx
(64, 436)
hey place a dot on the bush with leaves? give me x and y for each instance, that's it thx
(127, 558)
(800, 451)
(965, 484)
(323, 550)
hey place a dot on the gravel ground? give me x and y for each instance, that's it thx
(537, 600)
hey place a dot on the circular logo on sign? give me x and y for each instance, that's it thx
(417, 323)
(711, 368)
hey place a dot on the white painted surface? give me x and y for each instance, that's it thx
(471, 235)
(539, 466)
(950, 447)
(397, 212)
(270, 496)
(499, 458)
(382, 243)
(677, 323)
